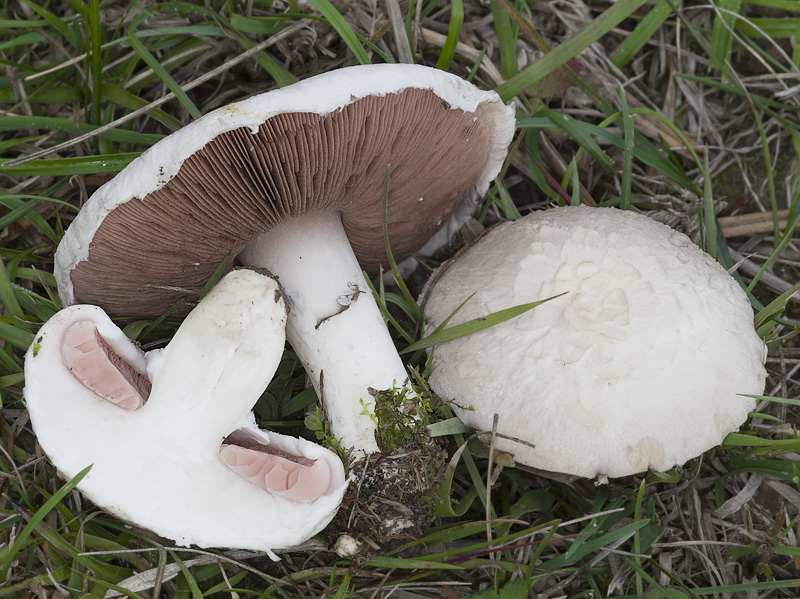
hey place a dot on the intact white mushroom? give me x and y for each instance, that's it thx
(170, 436)
(643, 363)
(293, 181)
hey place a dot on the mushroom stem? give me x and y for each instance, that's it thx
(334, 325)
(210, 360)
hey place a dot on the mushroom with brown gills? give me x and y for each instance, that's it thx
(291, 180)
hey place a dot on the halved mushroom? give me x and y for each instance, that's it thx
(170, 436)
(293, 180)
(644, 362)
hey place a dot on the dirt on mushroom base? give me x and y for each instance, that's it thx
(391, 500)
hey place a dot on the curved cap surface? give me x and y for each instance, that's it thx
(642, 363)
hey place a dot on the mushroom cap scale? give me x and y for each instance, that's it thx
(163, 466)
(642, 364)
(206, 191)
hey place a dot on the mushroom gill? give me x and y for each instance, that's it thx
(92, 360)
(275, 470)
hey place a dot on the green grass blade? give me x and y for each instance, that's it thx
(721, 36)
(411, 564)
(558, 56)
(594, 545)
(444, 504)
(18, 213)
(644, 151)
(21, 24)
(642, 33)
(775, 28)
(504, 201)
(15, 334)
(79, 165)
(749, 587)
(188, 577)
(57, 23)
(506, 41)
(538, 552)
(125, 98)
(743, 440)
(281, 76)
(95, 59)
(42, 95)
(392, 263)
(20, 206)
(709, 219)
(11, 379)
(451, 426)
(657, 591)
(20, 123)
(582, 134)
(261, 25)
(776, 4)
(637, 539)
(786, 400)
(775, 308)
(307, 397)
(453, 33)
(627, 154)
(7, 296)
(475, 325)
(215, 277)
(770, 173)
(343, 28)
(383, 299)
(50, 504)
(151, 61)
(26, 39)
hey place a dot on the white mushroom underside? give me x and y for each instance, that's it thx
(160, 464)
(641, 365)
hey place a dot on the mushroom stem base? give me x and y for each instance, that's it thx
(334, 325)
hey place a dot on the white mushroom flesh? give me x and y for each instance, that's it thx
(187, 460)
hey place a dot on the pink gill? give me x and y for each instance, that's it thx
(99, 368)
(284, 475)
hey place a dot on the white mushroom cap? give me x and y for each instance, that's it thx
(642, 364)
(187, 460)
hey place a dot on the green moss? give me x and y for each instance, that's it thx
(402, 415)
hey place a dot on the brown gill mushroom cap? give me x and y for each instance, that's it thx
(293, 181)
(157, 231)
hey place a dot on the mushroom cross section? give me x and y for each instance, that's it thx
(644, 362)
(173, 445)
(293, 181)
